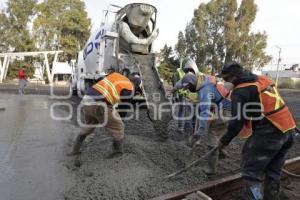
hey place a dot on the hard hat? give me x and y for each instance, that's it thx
(233, 68)
(190, 64)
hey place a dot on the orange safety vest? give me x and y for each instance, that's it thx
(273, 107)
(220, 87)
(112, 85)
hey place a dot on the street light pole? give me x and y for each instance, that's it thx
(279, 59)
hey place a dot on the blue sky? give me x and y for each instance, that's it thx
(279, 18)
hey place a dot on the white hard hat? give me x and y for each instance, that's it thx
(190, 64)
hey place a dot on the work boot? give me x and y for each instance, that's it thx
(210, 167)
(271, 190)
(193, 141)
(77, 144)
(252, 190)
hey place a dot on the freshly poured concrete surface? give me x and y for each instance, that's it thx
(32, 150)
(33, 155)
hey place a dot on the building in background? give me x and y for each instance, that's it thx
(286, 78)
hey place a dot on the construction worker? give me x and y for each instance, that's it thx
(111, 90)
(185, 98)
(260, 115)
(214, 110)
(22, 80)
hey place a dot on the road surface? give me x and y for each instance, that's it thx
(32, 150)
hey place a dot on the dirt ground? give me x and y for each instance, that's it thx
(139, 173)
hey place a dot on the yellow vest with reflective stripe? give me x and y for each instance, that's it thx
(180, 74)
(191, 96)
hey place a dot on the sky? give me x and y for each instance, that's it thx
(279, 18)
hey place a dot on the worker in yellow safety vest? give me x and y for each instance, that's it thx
(185, 99)
(213, 111)
(98, 108)
(261, 115)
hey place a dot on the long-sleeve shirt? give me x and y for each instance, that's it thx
(239, 98)
(209, 95)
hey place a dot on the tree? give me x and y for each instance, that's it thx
(15, 32)
(3, 31)
(168, 63)
(62, 25)
(181, 46)
(220, 32)
(14, 25)
(13, 70)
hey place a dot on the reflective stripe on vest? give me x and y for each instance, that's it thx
(105, 92)
(274, 108)
(180, 73)
(191, 96)
(111, 87)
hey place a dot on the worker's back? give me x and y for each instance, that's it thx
(111, 88)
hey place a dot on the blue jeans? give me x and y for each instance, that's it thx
(22, 85)
(186, 120)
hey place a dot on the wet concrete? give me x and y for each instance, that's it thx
(139, 173)
(32, 150)
(33, 164)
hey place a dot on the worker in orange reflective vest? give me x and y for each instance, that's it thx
(261, 115)
(98, 108)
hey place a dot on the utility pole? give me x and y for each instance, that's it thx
(279, 59)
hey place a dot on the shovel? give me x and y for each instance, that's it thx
(194, 163)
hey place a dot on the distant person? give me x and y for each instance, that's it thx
(22, 80)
